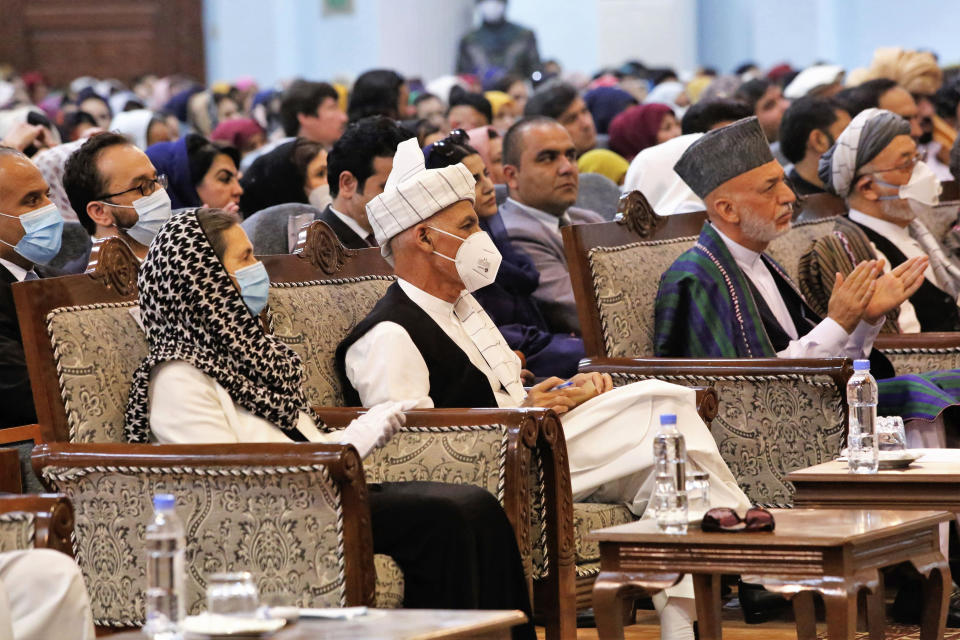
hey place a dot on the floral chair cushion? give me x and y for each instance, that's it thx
(17, 530)
(313, 318)
(474, 455)
(97, 348)
(588, 516)
(625, 281)
(282, 524)
(389, 593)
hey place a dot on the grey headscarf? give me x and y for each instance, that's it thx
(863, 139)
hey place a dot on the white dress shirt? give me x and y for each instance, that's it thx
(350, 222)
(385, 364)
(827, 340)
(909, 247)
(16, 270)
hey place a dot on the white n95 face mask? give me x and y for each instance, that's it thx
(477, 260)
(320, 196)
(153, 211)
(923, 189)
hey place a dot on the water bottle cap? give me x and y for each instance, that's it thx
(163, 502)
(668, 418)
(861, 365)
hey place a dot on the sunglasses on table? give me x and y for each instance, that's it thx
(727, 520)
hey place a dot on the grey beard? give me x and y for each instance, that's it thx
(758, 229)
(899, 210)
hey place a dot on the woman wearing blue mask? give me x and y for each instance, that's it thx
(214, 375)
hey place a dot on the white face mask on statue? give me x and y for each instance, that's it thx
(492, 10)
(320, 197)
(477, 261)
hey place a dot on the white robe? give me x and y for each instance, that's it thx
(42, 596)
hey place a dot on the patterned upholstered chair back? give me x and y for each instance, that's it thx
(625, 279)
(790, 247)
(96, 348)
(312, 318)
(16, 530)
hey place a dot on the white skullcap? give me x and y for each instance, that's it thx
(812, 78)
(413, 194)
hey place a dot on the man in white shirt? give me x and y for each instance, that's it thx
(875, 167)
(429, 341)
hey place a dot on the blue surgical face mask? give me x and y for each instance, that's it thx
(44, 232)
(254, 286)
(152, 212)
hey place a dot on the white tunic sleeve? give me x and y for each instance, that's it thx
(385, 365)
(189, 407)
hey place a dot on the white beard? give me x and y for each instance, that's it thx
(758, 229)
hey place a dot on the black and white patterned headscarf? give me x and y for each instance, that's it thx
(191, 311)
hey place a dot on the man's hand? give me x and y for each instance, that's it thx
(895, 287)
(601, 381)
(541, 395)
(851, 295)
(22, 135)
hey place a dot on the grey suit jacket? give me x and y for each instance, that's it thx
(545, 247)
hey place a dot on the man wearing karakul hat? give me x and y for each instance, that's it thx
(429, 341)
(725, 298)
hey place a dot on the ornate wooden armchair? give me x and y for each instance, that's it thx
(775, 415)
(35, 522)
(319, 294)
(296, 515)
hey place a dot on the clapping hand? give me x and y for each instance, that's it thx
(850, 295)
(896, 287)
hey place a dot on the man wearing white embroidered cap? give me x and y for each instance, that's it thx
(429, 341)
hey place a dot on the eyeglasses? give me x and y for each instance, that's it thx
(906, 165)
(447, 146)
(144, 188)
(727, 520)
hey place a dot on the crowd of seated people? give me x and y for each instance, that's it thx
(464, 184)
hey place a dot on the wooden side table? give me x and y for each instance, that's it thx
(831, 551)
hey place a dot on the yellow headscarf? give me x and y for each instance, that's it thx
(606, 163)
(498, 100)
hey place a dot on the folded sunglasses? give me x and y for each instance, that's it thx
(728, 520)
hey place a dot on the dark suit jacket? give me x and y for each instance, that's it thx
(16, 398)
(348, 236)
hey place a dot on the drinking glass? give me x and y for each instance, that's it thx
(698, 494)
(233, 594)
(891, 434)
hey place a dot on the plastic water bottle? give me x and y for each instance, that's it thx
(670, 496)
(863, 451)
(165, 571)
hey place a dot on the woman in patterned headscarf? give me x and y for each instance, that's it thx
(214, 375)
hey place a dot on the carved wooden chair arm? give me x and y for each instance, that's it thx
(929, 341)
(52, 518)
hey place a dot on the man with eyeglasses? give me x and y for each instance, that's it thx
(885, 186)
(116, 191)
(809, 127)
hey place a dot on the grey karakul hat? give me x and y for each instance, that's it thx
(723, 154)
